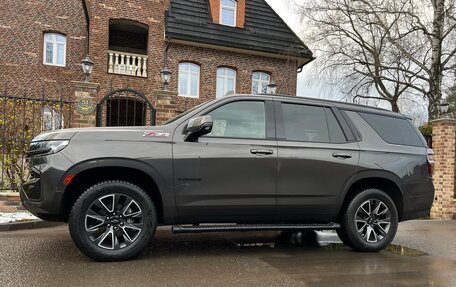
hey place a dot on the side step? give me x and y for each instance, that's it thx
(250, 227)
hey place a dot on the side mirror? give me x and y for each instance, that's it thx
(198, 127)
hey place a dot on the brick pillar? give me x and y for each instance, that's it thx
(444, 146)
(85, 103)
(165, 105)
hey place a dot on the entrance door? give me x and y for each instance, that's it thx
(125, 107)
(125, 112)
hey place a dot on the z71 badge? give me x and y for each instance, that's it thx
(155, 134)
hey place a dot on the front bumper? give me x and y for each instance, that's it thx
(42, 194)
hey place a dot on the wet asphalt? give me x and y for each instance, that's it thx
(47, 257)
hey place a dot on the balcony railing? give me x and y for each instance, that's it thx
(123, 63)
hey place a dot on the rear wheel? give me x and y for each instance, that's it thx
(369, 222)
(112, 221)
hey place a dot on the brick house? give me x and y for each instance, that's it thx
(212, 47)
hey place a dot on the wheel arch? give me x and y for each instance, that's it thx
(382, 180)
(87, 174)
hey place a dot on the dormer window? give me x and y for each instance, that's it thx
(228, 11)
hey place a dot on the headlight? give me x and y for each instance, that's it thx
(47, 147)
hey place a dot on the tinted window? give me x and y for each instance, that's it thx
(243, 119)
(393, 130)
(336, 134)
(305, 123)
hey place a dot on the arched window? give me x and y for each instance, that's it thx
(228, 11)
(52, 120)
(226, 82)
(189, 78)
(260, 82)
(54, 49)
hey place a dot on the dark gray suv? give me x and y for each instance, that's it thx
(241, 163)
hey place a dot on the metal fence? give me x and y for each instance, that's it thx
(21, 119)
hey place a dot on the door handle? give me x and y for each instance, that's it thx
(262, 151)
(342, 155)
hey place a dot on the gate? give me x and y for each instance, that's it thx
(21, 119)
(125, 107)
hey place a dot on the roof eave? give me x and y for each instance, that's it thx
(302, 59)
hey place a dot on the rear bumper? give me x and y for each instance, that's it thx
(419, 205)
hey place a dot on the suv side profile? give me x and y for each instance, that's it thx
(240, 163)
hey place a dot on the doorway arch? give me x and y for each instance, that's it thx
(125, 107)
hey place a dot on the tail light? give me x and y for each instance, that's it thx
(430, 161)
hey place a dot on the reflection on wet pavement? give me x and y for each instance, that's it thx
(49, 258)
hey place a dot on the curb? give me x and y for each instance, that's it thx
(34, 224)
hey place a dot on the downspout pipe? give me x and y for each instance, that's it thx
(87, 18)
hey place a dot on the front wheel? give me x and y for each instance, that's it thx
(369, 222)
(112, 221)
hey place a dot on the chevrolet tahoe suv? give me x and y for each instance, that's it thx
(240, 163)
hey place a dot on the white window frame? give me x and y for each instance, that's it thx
(225, 78)
(55, 44)
(189, 82)
(222, 7)
(261, 81)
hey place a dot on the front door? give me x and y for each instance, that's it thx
(230, 174)
(316, 161)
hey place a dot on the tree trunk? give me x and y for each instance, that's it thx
(395, 107)
(435, 88)
(433, 107)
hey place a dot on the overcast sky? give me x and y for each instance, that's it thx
(417, 111)
(304, 89)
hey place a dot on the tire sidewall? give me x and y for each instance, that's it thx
(351, 231)
(77, 221)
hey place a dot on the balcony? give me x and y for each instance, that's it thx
(127, 52)
(123, 63)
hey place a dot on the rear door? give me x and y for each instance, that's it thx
(318, 156)
(230, 174)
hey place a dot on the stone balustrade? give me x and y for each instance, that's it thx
(123, 63)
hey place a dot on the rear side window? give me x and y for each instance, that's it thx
(393, 130)
(311, 124)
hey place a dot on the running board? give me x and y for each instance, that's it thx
(250, 227)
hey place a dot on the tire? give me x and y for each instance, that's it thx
(369, 221)
(343, 237)
(105, 233)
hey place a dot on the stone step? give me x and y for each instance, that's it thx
(9, 208)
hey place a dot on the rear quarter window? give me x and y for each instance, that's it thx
(393, 130)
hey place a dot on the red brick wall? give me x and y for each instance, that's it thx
(22, 25)
(150, 13)
(281, 71)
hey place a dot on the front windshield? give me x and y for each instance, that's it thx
(172, 120)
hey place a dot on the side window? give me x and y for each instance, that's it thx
(226, 82)
(54, 49)
(260, 82)
(336, 134)
(243, 119)
(228, 10)
(311, 124)
(393, 130)
(189, 80)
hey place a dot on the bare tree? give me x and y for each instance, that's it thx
(383, 49)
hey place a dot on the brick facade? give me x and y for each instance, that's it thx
(444, 146)
(281, 71)
(22, 25)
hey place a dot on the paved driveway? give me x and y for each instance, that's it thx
(47, 257)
